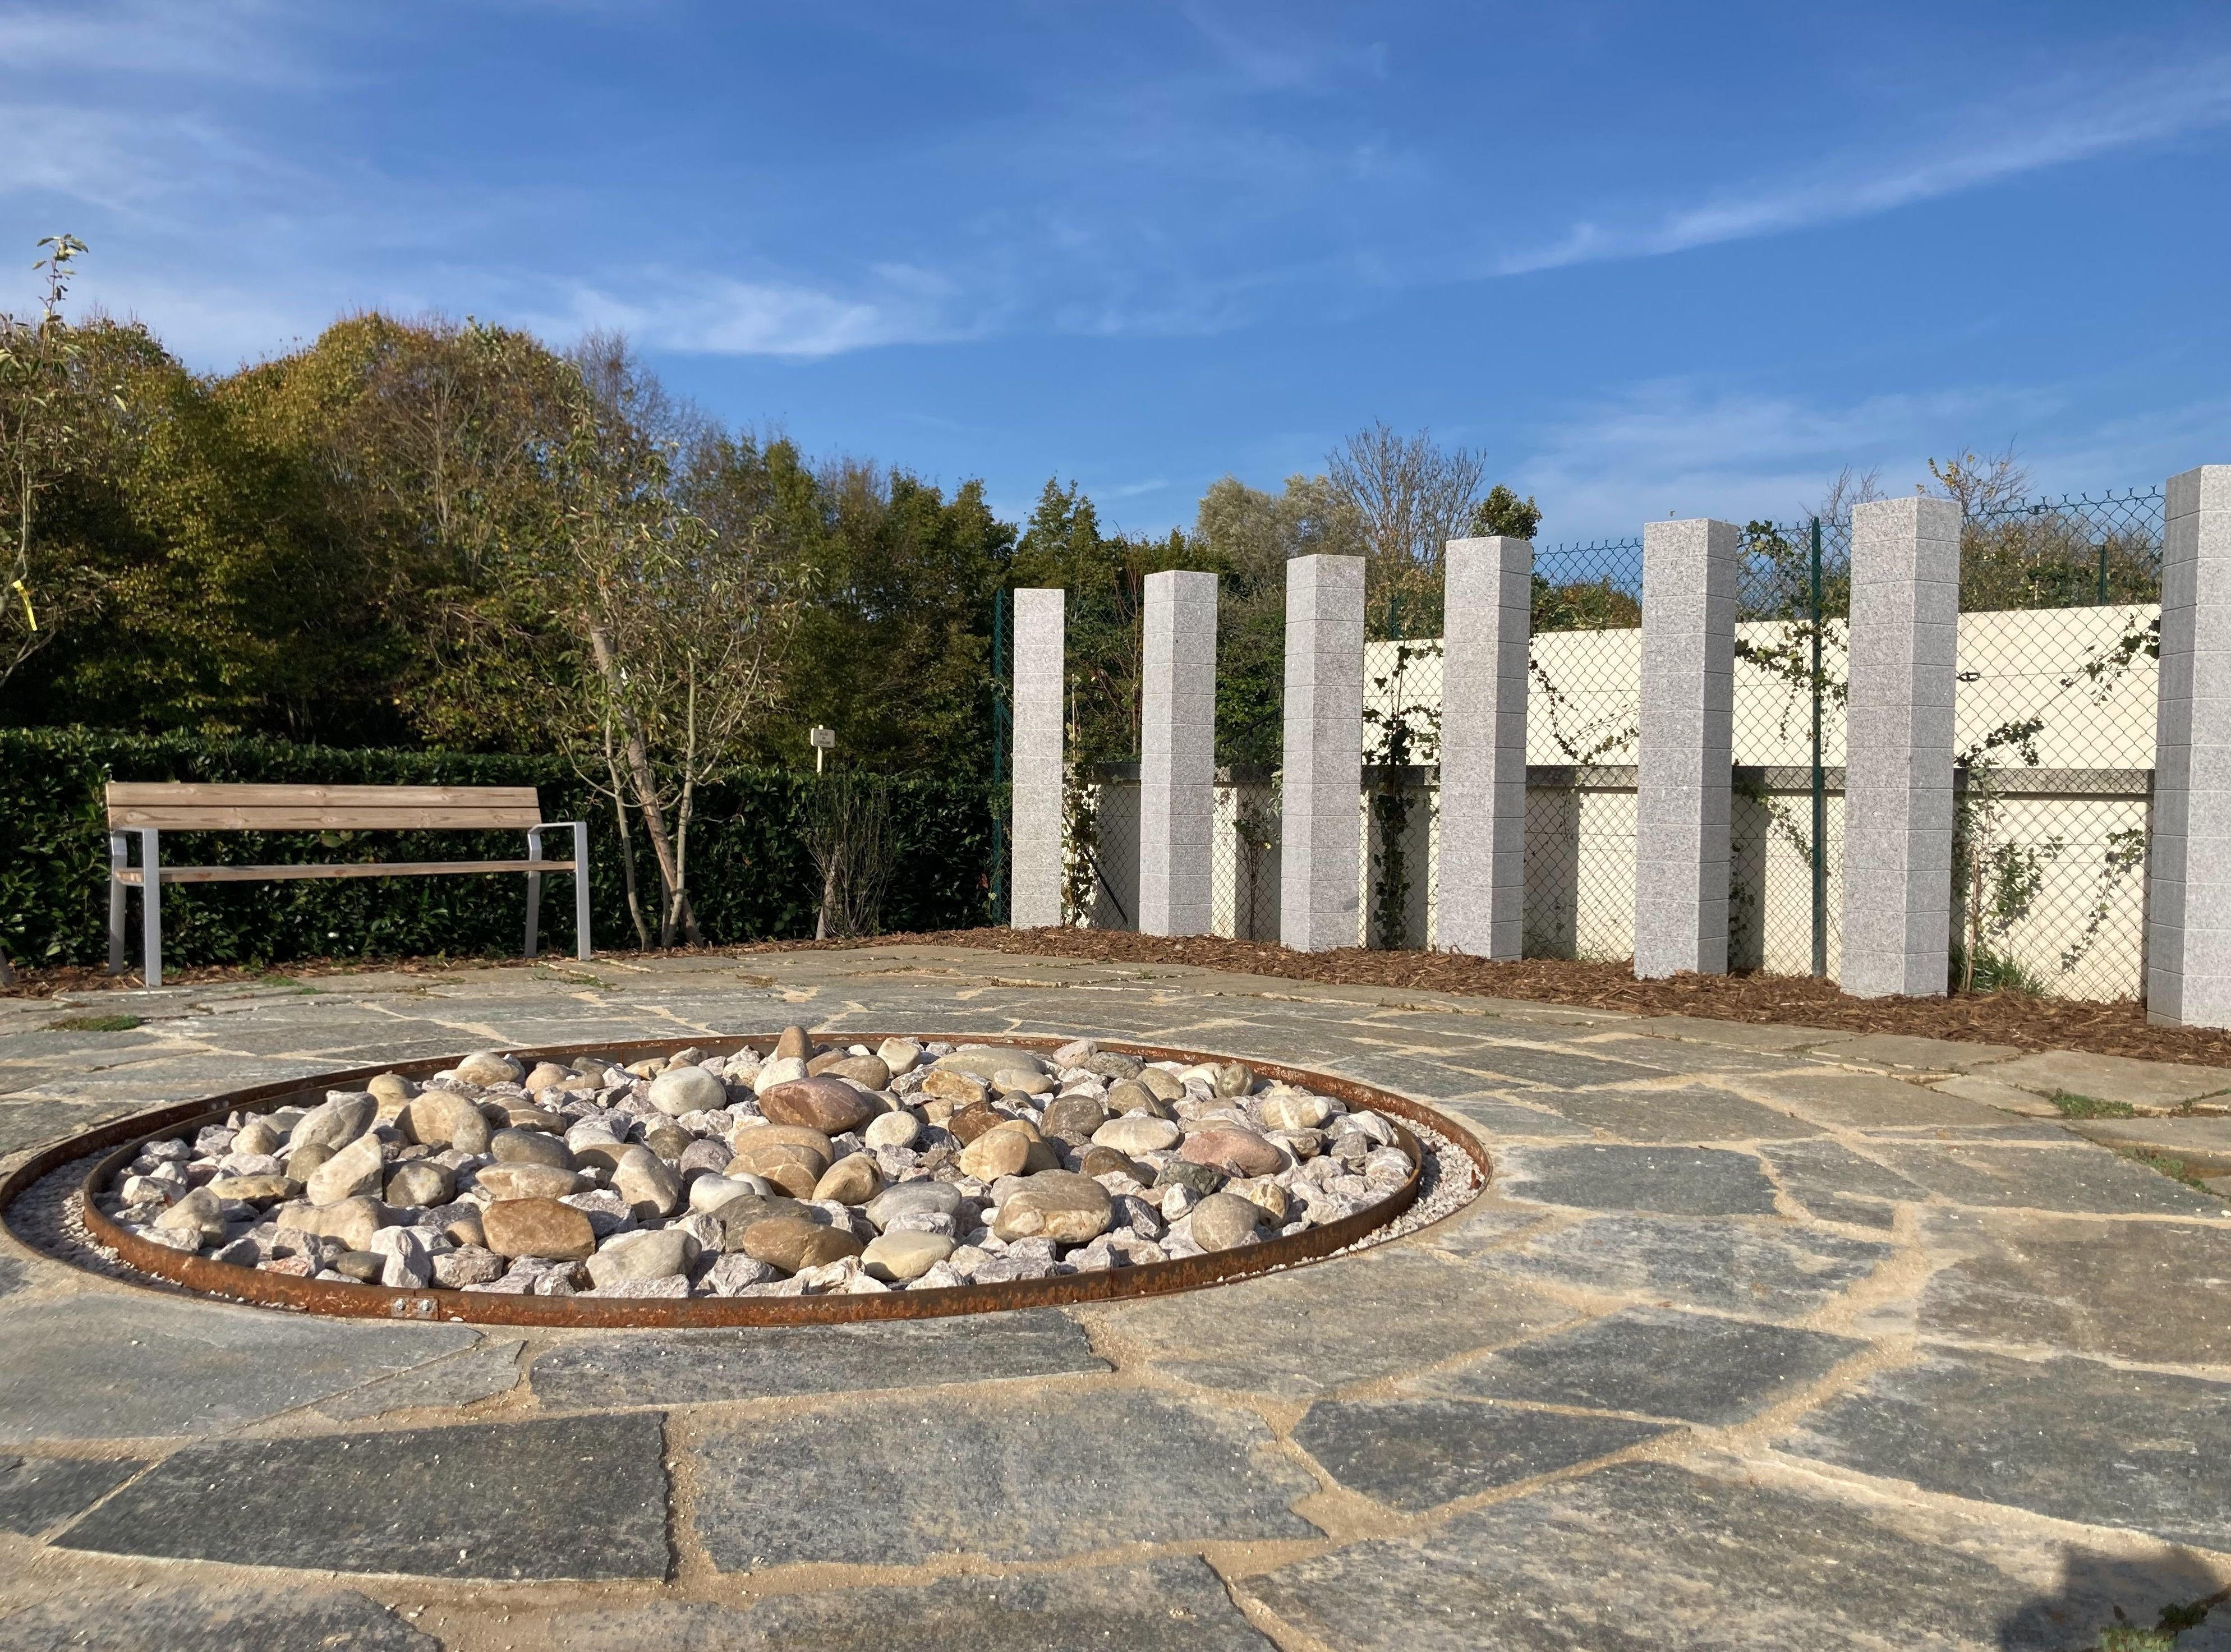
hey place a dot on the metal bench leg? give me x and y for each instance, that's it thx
(120, 855)
(533, 893)
(150, 907)
(582, 947)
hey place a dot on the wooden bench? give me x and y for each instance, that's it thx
(147, 812)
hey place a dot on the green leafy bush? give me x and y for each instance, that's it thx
(752, 874)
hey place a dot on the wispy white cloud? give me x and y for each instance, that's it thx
(215, 324)
(692, 312)
(1685, 447)
(1130, 490)
(219, 40)
(2052, 124)
(1270, 50)
(1140, 202)
(159, 168)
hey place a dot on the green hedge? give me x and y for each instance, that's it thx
(751, 876)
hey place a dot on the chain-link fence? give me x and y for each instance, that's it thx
(1583, 719)
(1244, 851)
(1401, 793)
(2059, 633)
(1101, 890)
(1100, 866)
(1793, 596)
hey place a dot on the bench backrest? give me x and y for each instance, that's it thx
(186, 808)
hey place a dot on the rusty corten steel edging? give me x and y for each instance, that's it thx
(364, 1301)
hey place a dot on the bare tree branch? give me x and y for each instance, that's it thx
(1408, 496)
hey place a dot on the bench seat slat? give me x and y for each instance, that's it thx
(227, 808)
(224, 818)
(134, 877)
(166, 792)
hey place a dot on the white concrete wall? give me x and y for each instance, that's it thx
(1580, 845)
(2022, 663)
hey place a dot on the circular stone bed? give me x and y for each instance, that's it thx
(724, 1182)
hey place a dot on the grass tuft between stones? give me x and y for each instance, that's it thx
(95, 1024)
(2124, 1635)
(2073, 1105)
(2165, 1165)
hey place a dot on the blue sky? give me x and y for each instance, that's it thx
(1648, 258)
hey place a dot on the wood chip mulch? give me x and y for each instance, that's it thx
(2019, 1019)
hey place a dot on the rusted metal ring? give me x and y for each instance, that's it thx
(197, 1273)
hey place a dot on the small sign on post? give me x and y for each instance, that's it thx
(823, 741)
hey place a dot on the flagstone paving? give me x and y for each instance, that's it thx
(1758, 1339)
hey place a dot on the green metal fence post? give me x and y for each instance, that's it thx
(1819, 786)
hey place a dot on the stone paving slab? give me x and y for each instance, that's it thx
(383, 1053)
(1766, 1269)
(1498, 1116)
(229, 1618)
(1835, 1183)
(1418, 1075)
(1672, 1181)
(34, 1123)
(571, 1497)
(1489, 1223)
(2045, 1179)
(1649, 1557)
(2068, 1437)
(2007, 1130)
(326, 1040)
(1560, 1402)
(1663, 1055)
(665, 1368)
(2114, 1077)
(1560, 1069)
(1164, 1606)
(1694, 1113)
(1413, 1454)
(1736, 1034)
(85, 1050)
(1068, 1474)
(108, 1364)
(2008, 1098)
(1690, 1367)
(2203, 1144)
(36, 1493)
(1919, 1055)
(20, 1080)
(174, 1078)
(1316, 1329)
(461, 1378)
(1867, 1101)
(2157, 1292)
